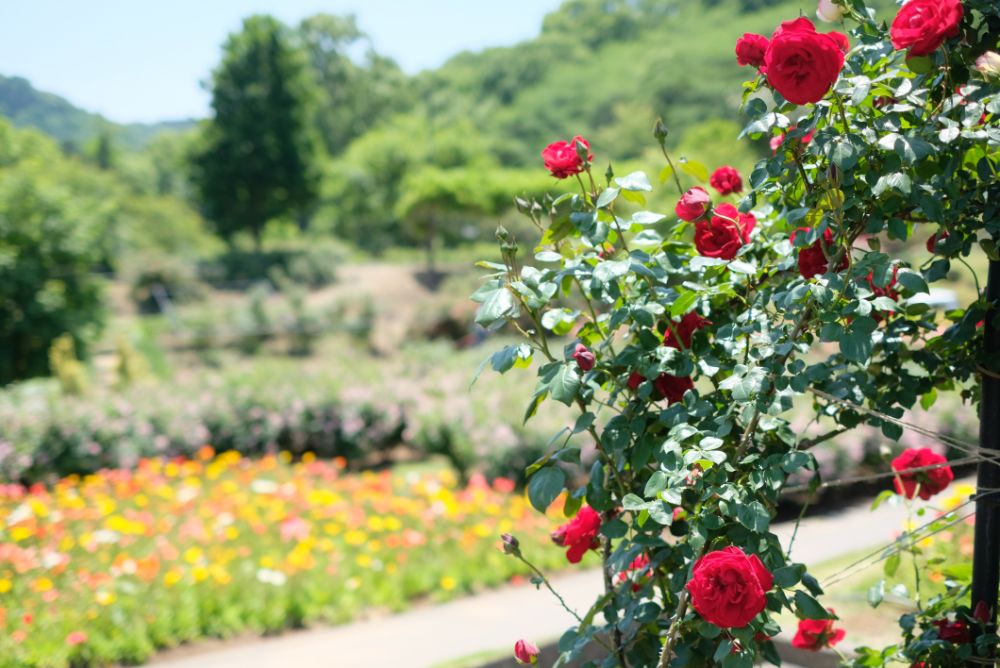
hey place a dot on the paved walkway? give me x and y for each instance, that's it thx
(428, 636)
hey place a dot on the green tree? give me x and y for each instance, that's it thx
(355, 92)
(259, 153)
(50, 234)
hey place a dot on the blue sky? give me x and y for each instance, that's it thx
(144, 60)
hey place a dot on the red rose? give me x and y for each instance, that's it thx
(956, 632)
(562, 159)
(934, 240)
(579, 534)
(812, 259)
(779, 139)
(728, 587)
(685, 329)
(922, 25)
(583, 357)
(930, 481)
(889, 290)
(665, 386)
(803, 64)
(638, 564)
(525, 653)
(725, 233)
(672, 388)
(726, 180)
(750, 50)
(815, 634)
(693, 204)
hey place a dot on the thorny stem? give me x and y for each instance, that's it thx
(548, 585)
(619, 648)
(668, 645)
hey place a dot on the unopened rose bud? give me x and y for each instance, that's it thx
(510, 544)
(693, 204)
(829, 11)
(502, 233)
(525, 653)
(522, 205)
(988, 65)
(982, 612)
(584, 358)
(660, 131)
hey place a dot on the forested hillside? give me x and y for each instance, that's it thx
(73, 127)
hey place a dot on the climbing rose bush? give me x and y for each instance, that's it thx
(682, 341)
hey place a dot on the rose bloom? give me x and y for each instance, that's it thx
(750, 50)
(930, 481)
(672, 388)
(525, 653)
(778, 140)
(562, 159)
(815, 634)
(693, 204)
(935, 240)
(829, 11)
(889, 290)
(988, 64)
(803, 64)
(725, 233)
(728, 587)
(584, 358)
(923, 25)
(956, 632)
(812, 260)
(684, 329)
(726, 180)
(638, 564)
(665, 386)
(579, 534)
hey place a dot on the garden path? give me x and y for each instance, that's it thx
(431, 635)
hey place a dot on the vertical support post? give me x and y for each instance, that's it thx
(986, 559)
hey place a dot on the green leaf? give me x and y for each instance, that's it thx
(843, 153)
(876, 593)
(883, 496)
(666, 173)
(856, 344)
(545, 486)
(561, 381)
(695, 169)
(897, 181)
(912, 281)
(891, 564)
(634, 182)
(753, 516)
(495, 305)
(607, 196)
(633, 502)
(656, 484)
(789, 576)
(809, 608)
(683, 304)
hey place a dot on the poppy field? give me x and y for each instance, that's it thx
(113, 566)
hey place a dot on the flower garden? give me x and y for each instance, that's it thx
(110, 567)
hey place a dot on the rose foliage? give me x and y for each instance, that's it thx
(695, 331)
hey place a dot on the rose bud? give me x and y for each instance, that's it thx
(583, 357)
(750, 50)
(982, 612)
(510, 544)
(525, 653)
(988, 65)
(693, 204)
(829, 11)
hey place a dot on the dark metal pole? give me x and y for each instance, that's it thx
(986, 559)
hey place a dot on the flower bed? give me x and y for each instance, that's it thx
(111, 567)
